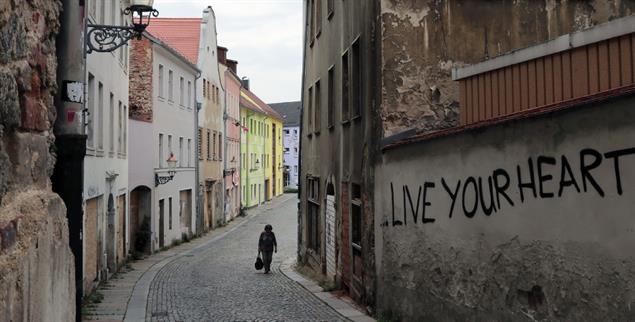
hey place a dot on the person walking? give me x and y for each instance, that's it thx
(267, 245)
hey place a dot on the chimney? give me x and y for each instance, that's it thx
(245, 83)
(232, 65)
(222, 55)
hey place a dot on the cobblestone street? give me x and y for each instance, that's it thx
(217, 282)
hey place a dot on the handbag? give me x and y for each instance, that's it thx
(259, 264)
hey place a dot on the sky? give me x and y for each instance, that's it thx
(264, 36)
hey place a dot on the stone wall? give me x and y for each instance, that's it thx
(36, 264)
(141, 70)
(529, 220)
(422, 40)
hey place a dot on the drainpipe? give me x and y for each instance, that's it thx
(70, 140)
(197, 107)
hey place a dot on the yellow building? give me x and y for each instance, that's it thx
(261, 149)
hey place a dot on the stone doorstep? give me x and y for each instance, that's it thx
(343, 306)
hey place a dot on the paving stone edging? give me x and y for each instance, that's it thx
(342, 307)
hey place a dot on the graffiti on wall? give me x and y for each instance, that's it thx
(541, 177)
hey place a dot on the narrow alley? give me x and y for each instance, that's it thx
(213, 278)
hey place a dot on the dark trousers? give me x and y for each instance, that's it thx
(266, 259)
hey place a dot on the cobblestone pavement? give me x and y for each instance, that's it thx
(218, 282)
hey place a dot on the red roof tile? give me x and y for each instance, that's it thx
(261, 106)
(182, 34)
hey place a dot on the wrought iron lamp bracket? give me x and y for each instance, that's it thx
(159, 180)
(107, 38)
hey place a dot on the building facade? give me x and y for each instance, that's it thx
(106, 162)
(485, 167)
(195, 38)
(290, 112)
(232, 84)
(164, 126)
(336, 220)
(252, 149)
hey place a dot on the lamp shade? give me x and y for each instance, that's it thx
(146, 4)
(172, 161)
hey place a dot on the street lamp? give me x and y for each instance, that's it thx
(106, 38)
(158, 180)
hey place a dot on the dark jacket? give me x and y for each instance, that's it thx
(267, 241)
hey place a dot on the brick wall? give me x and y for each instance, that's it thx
(36, 264)
(141, 80)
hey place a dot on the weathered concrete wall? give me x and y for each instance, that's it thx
(422, 40)
(36, 264)
(528, 220)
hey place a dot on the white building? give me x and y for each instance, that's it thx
(290, 112)
(162, 125)
(106, 162)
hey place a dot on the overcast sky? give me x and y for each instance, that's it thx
(264, 36)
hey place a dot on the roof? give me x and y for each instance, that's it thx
(173, 51)
(252, 102)
(290, 112)
(182, 34)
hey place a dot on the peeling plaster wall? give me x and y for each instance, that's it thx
(36, 263)
(422, 40)
(547, 255)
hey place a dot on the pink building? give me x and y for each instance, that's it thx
(232, 85)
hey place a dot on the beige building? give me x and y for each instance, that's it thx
(195, 38)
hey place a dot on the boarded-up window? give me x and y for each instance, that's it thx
(345, 88)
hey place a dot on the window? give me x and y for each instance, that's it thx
(189, 94)
(120, 132)
(124, 150)
(102, 12)
(200, 143)
(309, 115)
(209, 151)
(111, 119)
(181, 91)
(311, 11)
(169, 145)
(161, 151)
(113, 12)
(100, 118)
(331, 99)
(189, 152)
(356, 227)
(171, 86)
(170, 212)
(204, 88)
(92, 8)
(286, 150)
(214, 146)
(330, 5)
(220, 146)
(345, 88)
(286, 131)
(356, 81)
(90, 129)
(161, 85)
(317, 108)
(313, 213)
(318, 18)
(181, 156)
(295, 168)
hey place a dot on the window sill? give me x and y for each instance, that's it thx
(356, 117)
(330, 15)
(99, 153)
(346, 122)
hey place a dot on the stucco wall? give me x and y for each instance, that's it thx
(36, 263)
(422, 40)
(558, 248)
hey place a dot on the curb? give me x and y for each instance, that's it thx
(344, 308)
